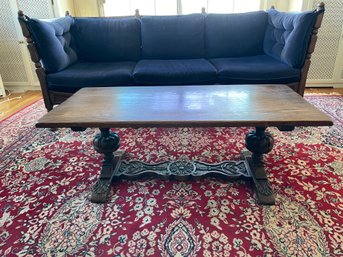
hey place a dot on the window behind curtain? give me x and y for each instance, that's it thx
(171, 7)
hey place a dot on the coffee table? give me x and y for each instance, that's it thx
(258, 106)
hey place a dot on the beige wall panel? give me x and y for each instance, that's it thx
(86, 8)
(280, 5)
(66, 5)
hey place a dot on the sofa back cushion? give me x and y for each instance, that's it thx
(53, 42)
(232, 35)
(107, 39)
(173, 37)
(288, 35)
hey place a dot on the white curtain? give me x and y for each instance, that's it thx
(172, 7)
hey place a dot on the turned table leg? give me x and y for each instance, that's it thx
(260, 142)
(105, 143)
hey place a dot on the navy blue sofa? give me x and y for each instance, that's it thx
(263, 47)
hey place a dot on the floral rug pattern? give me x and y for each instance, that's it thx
(45, 178)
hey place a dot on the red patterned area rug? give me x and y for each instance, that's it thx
(45, 177)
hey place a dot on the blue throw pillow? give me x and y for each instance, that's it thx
(53, 41)
(288, 35)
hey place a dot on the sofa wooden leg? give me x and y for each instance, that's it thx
(78, 129)
(259, 142)
(286, 128)
(105, 143)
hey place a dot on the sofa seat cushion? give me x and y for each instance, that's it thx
(187, 71)
(254, 70)
(91, 74)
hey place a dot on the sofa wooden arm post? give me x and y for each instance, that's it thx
(36, 59)
(137, 15)
(304, 71)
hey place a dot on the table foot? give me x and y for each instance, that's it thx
(259, 142)
(263, 191)
(100, 191)
(102, 187)
(106, 143)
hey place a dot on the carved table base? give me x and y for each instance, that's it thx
(258, 142)
(182, 169)
(106, 143)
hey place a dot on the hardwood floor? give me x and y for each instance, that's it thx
(7, 108)
(319, 90)
(16, 101)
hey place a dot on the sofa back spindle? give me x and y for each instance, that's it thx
(36, 60)
(312, 44)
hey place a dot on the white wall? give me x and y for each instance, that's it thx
(16, 67)
(295, 5)
(79, 8)
(327, 60)
(86, 8)
(281, 5)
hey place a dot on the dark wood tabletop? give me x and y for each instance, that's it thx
(185, 106)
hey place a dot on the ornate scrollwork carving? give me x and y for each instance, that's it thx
(263, 187)
(183, 168)
(100, 187)
(100, 191)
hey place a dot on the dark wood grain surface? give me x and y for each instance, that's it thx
(188, 106)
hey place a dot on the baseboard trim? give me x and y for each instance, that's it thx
(333, 85)
(22, 88)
